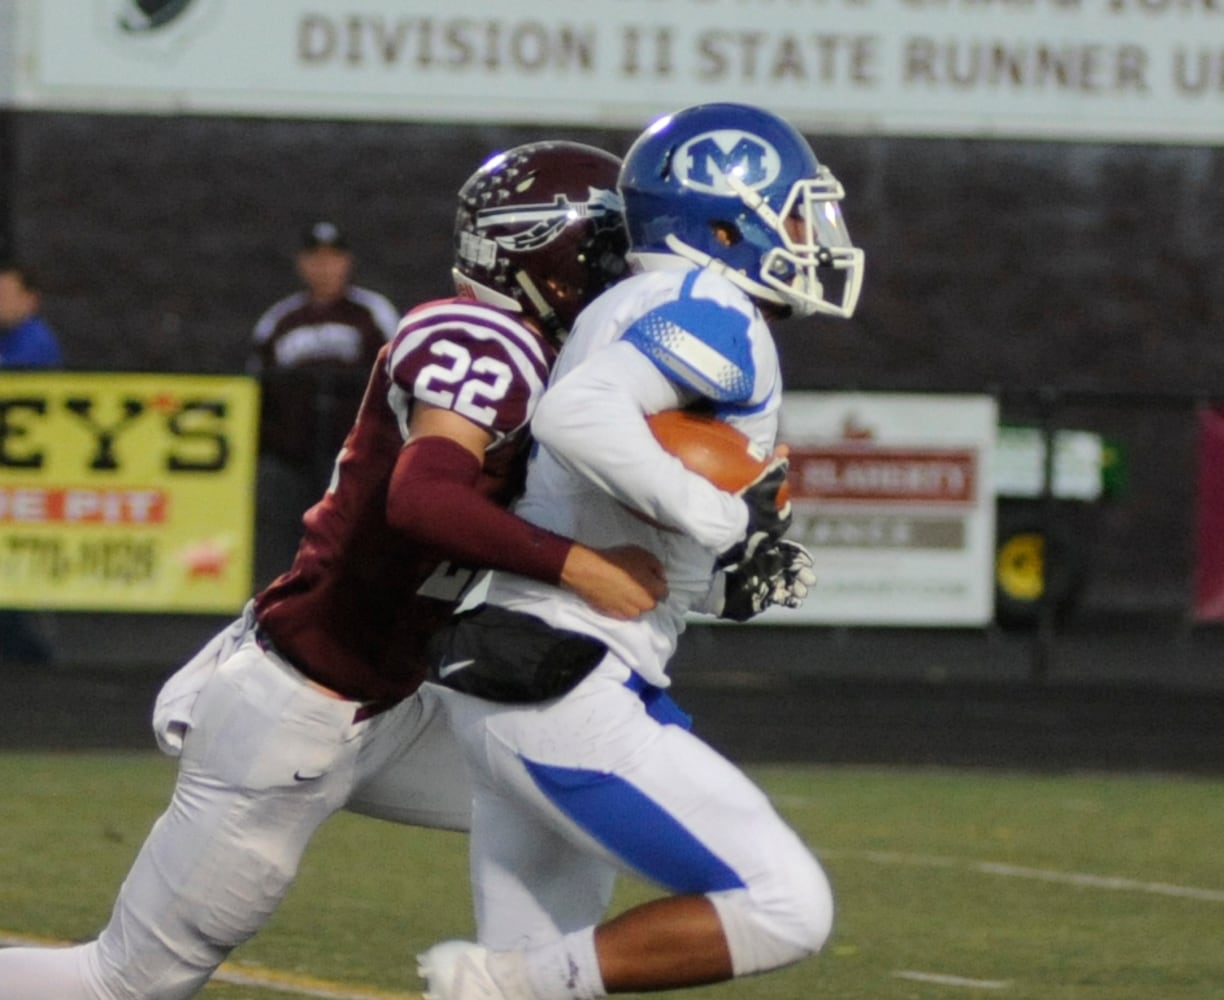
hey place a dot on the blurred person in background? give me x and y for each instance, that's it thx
(26, 342)
(312, 350)
(26, 339)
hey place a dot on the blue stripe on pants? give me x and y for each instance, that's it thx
(635, 828)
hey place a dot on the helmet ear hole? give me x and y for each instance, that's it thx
(726, 233)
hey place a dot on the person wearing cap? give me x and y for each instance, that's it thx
(312, 350)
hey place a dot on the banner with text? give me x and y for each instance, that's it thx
(892, 494)
(1118, 70)
(126, 492)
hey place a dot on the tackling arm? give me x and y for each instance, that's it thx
(433, 499)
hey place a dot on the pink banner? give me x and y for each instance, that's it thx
(1209, 519)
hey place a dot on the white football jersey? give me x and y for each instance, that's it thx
(657, 341)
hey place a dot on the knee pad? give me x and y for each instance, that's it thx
(769, 930)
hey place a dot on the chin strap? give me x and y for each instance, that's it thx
(546, 314)
(736, 277)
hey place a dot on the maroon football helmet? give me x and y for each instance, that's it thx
(540, 231)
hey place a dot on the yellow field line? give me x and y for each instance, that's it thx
(242, 974)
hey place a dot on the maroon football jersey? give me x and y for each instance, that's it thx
(354, 610)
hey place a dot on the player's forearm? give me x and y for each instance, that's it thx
(622, 582)
(433, 501)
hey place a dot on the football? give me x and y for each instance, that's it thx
(713, 449)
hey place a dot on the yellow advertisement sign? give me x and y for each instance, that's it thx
(127, 492)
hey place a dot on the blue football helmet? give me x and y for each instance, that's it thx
(736, 188)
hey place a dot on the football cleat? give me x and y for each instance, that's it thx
(459, 970)
(437, 967)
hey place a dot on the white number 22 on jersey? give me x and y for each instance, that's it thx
(484, 379)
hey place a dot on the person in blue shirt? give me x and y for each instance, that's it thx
(26, 340)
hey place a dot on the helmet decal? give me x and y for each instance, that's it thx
(545, 222)
(704, 162)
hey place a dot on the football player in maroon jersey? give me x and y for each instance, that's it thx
(309, 703)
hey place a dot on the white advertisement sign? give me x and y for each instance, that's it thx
(892, 494)
(1123, 70)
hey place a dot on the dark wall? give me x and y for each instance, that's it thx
(162, 239)
(990, 264)
(998, 266)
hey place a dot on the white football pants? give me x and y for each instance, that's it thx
(570, 791)
(266, 759)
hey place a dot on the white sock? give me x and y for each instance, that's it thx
(567, 969)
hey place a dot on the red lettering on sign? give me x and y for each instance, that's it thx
(865, 474)
(81, 505)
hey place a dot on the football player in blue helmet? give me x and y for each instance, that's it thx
(734, 224)
(738, 189)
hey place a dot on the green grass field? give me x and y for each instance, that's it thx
(949, 884)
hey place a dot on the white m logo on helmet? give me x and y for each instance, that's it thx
(704, 162)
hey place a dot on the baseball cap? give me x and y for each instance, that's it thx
(324, 234)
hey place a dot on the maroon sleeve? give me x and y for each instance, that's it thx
(433, 500)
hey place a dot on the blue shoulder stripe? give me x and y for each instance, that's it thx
(700, 344)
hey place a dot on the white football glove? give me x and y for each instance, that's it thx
(779, 574)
